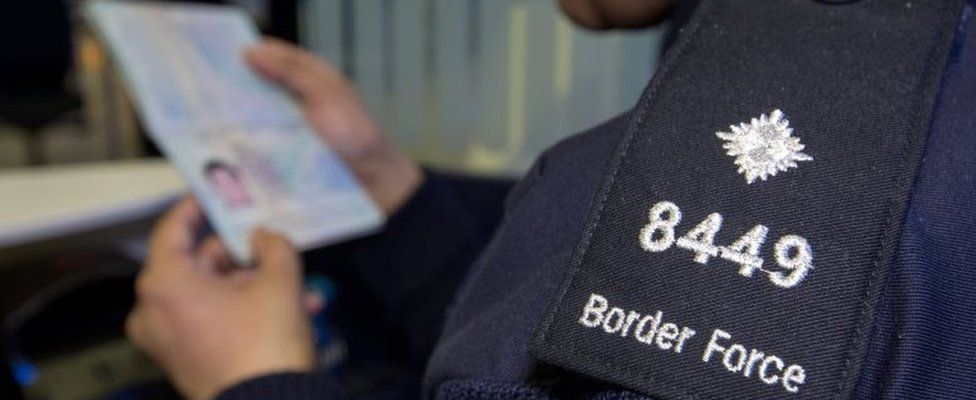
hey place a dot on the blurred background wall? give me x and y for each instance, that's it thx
(479, 85)
(474, 85)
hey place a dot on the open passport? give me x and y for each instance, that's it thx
(241, 144)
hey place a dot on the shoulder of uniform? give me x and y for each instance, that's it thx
(591, 147)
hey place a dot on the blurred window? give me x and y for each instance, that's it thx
(479, 85)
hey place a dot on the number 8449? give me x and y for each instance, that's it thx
(792, 252)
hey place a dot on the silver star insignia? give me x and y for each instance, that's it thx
(764, 146)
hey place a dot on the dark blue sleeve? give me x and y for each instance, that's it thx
(406, 275)
(288, 386)
(412, 268)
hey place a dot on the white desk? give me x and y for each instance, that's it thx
(45, 203)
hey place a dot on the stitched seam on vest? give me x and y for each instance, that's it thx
(900, 201)
(639, 122)
(911, 160)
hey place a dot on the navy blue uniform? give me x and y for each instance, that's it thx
(473, 329)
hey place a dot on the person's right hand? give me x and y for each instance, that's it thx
(211, 324)
(336, 112)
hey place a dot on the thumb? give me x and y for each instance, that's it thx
(270, 58)
(274, 255)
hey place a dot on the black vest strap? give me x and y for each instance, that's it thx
(741, 238)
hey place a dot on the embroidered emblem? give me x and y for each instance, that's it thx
(764, 146)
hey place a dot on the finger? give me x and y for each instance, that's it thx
(268, 57)
(176, 230)
(141, 335)
(274, 254)
(302, 73)
(214, 258)
(172, 243)
(135, 329)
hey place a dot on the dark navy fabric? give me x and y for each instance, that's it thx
(489, 332)
(394, 286)
(489, 390)
(286, 386)
(926, 342)
(925, 339)
(863, 122)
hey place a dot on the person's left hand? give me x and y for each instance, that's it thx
(335, 111)
(210, 324)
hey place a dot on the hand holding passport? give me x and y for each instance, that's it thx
(249, 152)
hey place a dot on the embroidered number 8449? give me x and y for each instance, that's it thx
(792, 252)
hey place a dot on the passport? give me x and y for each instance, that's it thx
(241, 144)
